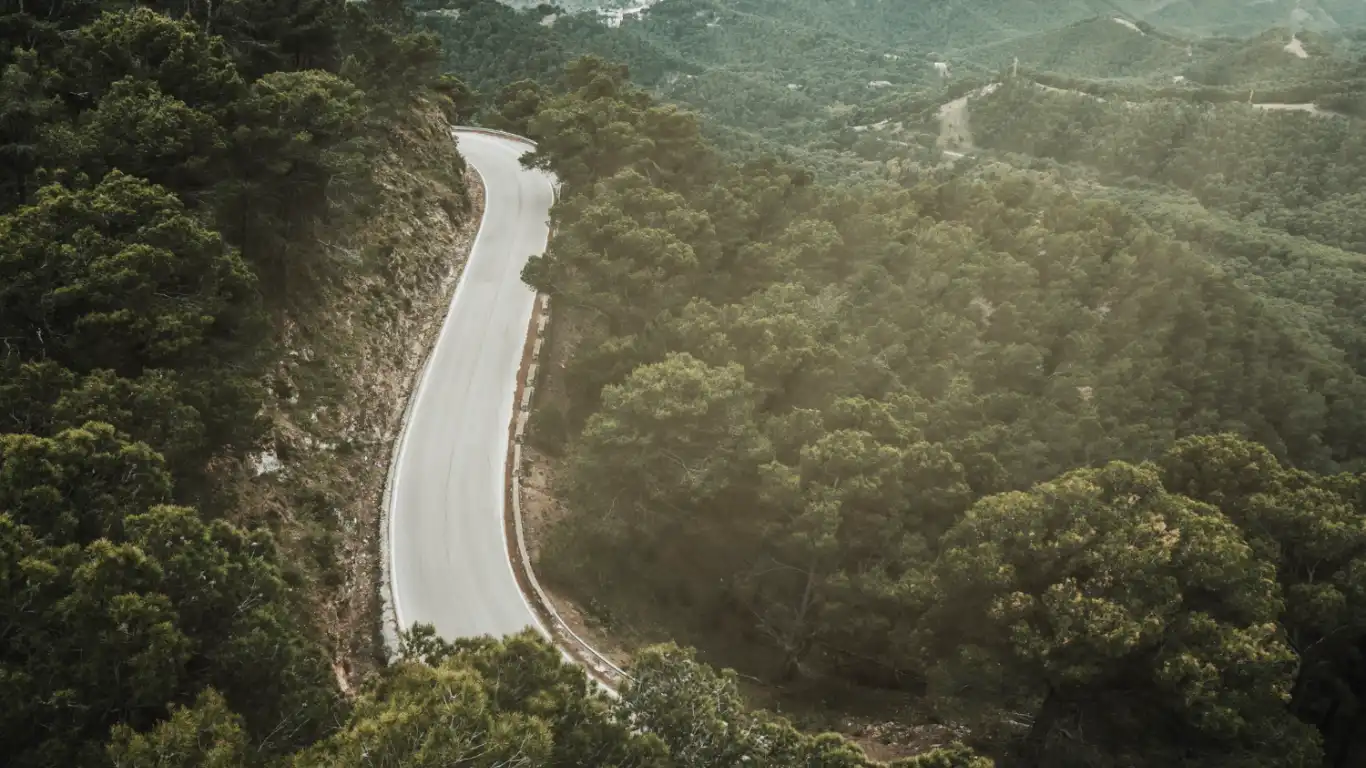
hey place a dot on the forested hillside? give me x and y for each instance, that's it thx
(971, 436)
(165, 182)
(1031, 441)
(1049, 439)
(196, 217)
(790, 79)
(1233, 17)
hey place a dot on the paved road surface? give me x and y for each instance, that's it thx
(449, 559)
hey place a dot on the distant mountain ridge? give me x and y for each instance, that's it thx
(796, 75)
(952, 24)
(1244, 18)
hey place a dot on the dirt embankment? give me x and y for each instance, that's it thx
(541, 511)
(348, 363)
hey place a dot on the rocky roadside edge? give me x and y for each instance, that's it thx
(348, 361)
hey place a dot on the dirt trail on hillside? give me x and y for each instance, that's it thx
(955, 125)
(1312, 109)
(955, 134)
(955, 129)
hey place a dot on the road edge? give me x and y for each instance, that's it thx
(388, 611)
(599, 667)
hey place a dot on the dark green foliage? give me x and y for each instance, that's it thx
(117, 605)
(1103, 604)
(263, 36)
(386, 56)
(27, 107)
(299, 150)
(818, 394)
(1313, 530)
(132, 341)
(484, 702)
(122, 277)
(142, 132)
(182, 61)
(949, 435)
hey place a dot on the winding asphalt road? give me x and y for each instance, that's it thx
(449, 564)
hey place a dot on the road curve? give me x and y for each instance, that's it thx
(449, 564)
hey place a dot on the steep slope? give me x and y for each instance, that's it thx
(348, 362)
(1106, 46)
(1278, 55)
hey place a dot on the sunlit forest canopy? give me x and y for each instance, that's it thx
(984, 381)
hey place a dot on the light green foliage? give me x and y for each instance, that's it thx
(674, 435)
(207, 735)
(628, 249)
(514, 701)
(784, 337)
(905, 353)
(79, 485)
(604, 125)
(700, 716)
(1289, 170)
(484, 703)
(955, 756)
(832, 548)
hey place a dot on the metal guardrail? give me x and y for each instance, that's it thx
(607, 672)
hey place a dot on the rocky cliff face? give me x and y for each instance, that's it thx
(347, 363)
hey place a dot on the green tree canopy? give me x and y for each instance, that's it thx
(121, 276)
(1100, 604)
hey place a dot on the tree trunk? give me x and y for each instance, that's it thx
(1033, 750)
(791, 665)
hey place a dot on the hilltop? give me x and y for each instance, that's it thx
(1104, 46)
(1241, 18)
(1277, 56)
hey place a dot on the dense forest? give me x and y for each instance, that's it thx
(1062, 442)
(792, 79)
(970, 435)
(163, 173)
(168, 172)
(1289, 171)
